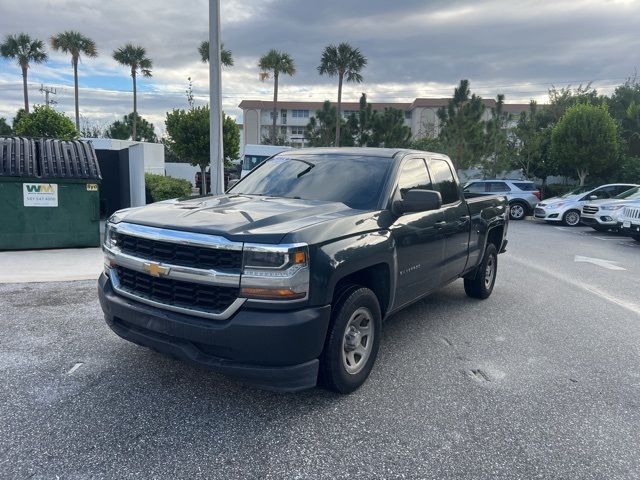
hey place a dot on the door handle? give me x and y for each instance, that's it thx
(465, 218)
(440, 225)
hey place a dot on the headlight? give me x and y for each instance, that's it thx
(612, 208)
(109, 240)
(275, 272)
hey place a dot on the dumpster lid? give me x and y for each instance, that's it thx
(18, 157)
(67, 159)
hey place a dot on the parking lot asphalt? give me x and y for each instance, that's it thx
(542, 380)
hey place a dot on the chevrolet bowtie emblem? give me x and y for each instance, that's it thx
(155, 269)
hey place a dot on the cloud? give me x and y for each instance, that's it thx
(415, 48)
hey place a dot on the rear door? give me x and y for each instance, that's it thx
(419, 239)
(456, 218)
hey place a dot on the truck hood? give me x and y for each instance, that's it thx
(238, 217)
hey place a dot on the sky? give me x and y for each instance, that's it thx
(414, 49)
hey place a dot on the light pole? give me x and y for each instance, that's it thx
(215, 102)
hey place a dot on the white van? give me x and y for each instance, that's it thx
(256, 154)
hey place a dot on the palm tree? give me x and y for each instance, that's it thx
(26, 51)
(346, 62)
(74, 43)
(135, 57)
(226, 58)
(274, 63)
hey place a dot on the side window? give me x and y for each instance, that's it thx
(475, 187)
(413, 175)
(443, 181)
(621, 188)
(498, 187)
(606, 192)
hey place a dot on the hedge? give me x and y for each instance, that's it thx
(159, 187)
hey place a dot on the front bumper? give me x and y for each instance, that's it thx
(630, 228)
(271, 349)
(548, 215)
(603, 220)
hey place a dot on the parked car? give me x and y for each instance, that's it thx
(291, 272)
(254, 155)
(568, 207)
(521, 194)
(602, 215)
(630, 219)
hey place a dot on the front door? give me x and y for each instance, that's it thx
(419, 239)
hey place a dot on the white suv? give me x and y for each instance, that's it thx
(630, 219)
(603, 215)
(567, 208)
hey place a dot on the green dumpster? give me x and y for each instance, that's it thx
(48, 194)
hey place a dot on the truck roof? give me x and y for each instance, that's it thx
(360, 151)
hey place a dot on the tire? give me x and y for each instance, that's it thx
(571, 218)
(517, 211)
(481, 284)
(349, 354)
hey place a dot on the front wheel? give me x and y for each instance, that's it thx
(481, 284)
(517, 211)
(353, 340)
(571, 218)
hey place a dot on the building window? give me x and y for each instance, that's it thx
(300, 113)
(297, 130)
(271, 115)
(346, 113)
(407, 115)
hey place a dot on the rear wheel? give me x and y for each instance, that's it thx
(517, 211)
(481, 284)
(353, 340)
(571, 218)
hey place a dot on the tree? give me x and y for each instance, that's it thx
(75, 44)
(561, 99)
(365, 121)
(188, 137)
(44, 121)
(496, 158)
(134, 57)
(345, 62)
(123, 129)
(389, 129)
(532, 143)
(230, 138)
(25, 51)
(273, 63)
(624, 107)
(462, 128)
(585, 140)
(427, 144)
(5, 128)
(226, 58)
(321, 129)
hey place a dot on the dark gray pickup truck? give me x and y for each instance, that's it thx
(284, 281)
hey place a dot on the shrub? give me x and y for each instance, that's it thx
(44, 121)
(556, 189)
(159, 187)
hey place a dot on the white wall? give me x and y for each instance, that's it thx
(181, 170)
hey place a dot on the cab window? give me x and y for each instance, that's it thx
(443, 180)
(414, 174)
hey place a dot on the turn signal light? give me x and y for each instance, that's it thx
(271, 293)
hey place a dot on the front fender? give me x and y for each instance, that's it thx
(334, 261)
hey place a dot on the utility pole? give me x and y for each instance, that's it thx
(47, 91)
(215, 102)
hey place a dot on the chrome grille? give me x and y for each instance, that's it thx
(631, 213)
(179, 254)
(590, 209)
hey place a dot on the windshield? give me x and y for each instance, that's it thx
(631, 194)
(578, 191)
(357, 181)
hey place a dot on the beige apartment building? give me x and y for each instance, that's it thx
(293, 117)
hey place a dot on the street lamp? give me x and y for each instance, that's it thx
(215, 102)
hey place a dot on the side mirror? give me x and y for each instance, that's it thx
(417, 200)
(593, 197)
